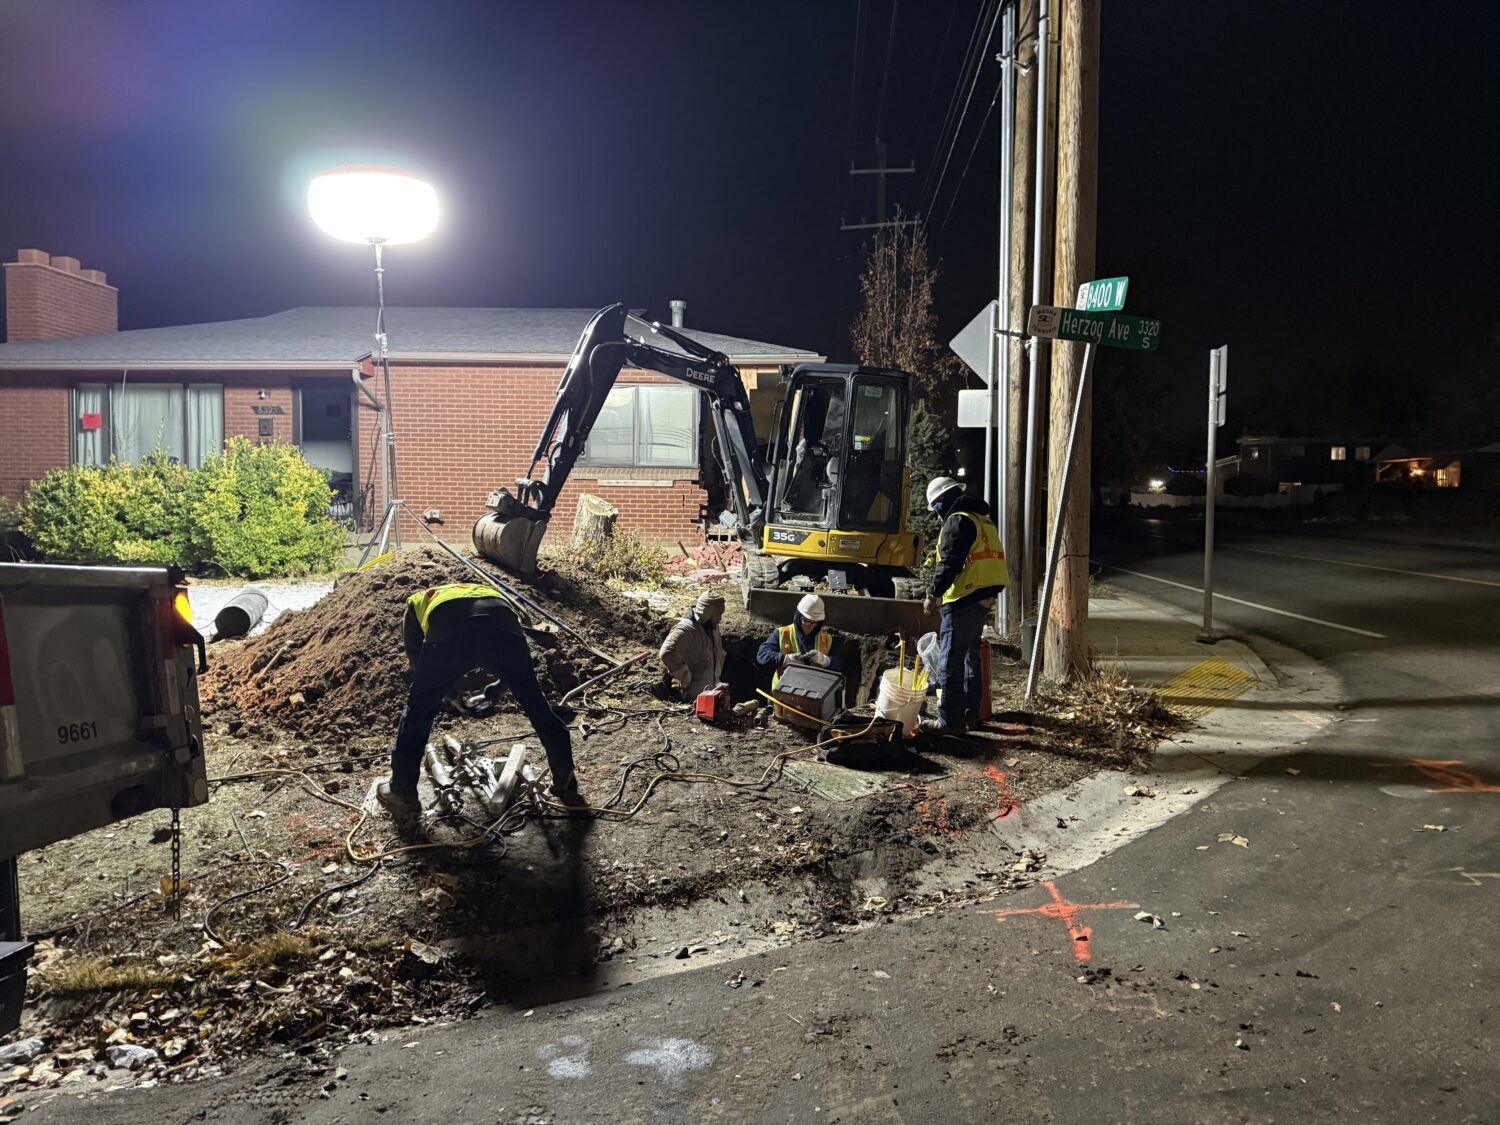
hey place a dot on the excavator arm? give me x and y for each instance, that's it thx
(512, 532)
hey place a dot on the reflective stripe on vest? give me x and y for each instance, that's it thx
(423, 602)
(985, 565)
(787, 637)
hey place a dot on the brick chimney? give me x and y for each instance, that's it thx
(49, 297)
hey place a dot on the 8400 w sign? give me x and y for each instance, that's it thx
(1111, 330)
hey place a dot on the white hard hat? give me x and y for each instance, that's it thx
(938, 487)
(811, 607)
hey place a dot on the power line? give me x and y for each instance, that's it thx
(859, 17)
(959, 186)
(967, 102)
(885, 71)
(958, 86)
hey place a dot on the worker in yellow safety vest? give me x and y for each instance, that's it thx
(804, 641)
(448, 631)
(970, 574)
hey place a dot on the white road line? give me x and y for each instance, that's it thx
(1367, 566)
(1252, 605)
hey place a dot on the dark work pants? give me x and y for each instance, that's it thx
(959, 630)
(441, 664)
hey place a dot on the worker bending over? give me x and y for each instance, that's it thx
(448, 631)
(970, 574)
(694, 650)
(804, 641)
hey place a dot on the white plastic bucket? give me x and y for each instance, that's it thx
(899, 700)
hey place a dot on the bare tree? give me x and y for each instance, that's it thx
(896, 327)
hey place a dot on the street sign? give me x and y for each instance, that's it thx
(1221, 385)
(1105, 295)
(973, 410)
(975, 345)
(1112, 330)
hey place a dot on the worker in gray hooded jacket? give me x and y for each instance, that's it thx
(694, 650)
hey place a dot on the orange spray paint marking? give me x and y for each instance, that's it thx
(1068, 912)
(1008, 802)
(1458, 781)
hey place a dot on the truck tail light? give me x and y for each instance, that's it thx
(183, 607)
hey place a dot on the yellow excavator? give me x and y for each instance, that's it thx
(827, 508)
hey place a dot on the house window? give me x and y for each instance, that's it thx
(1338, 452)
(1361, 452)
(647, 427)
(127, 422)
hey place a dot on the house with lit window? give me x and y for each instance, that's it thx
(1474, 470)
(1281, 464)
(471, 391)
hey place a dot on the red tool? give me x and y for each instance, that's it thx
(713, 705)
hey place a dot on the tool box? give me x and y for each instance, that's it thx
(713, 704)
(807, 696)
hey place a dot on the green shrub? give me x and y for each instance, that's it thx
(251, 511)
(624, 556)
(260, 510)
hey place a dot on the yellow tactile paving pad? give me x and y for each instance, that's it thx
(1196, 691)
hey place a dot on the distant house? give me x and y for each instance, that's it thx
(1281, 464)
(1473, 470)
(472, 390)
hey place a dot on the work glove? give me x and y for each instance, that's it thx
(794, 658)
(821, 659)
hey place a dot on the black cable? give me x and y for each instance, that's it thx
(885, 72)
(979, 136)
(953, 100)
(308, 905)
(208, 915)
(973, 85)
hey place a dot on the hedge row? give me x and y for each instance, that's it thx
(251, 511)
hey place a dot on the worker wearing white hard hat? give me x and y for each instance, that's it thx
(804, 641)
(970, 574)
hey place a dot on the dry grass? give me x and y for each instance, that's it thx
(92, 975)
(276, 949)
(1108, 698)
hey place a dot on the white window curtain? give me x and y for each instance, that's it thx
(88, 445)
(612, 440)
(205, 422)
(146, 418)
(668, 424)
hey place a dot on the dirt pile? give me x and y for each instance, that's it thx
(338, 668)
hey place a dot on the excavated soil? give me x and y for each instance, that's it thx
(337, 669)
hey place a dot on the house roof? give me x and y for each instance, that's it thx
(332, 337)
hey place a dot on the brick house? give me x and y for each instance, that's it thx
(472, 389)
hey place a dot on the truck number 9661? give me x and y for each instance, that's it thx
(77, 732)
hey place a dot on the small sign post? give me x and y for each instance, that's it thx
(1218, 398)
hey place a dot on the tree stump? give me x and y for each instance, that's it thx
(594, 522)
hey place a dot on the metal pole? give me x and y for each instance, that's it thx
(1038, 258)
(390, 412)
(989, 429)
(1057, 523)
(1215, 359)
(1000, 385)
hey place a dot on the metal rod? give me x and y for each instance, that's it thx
(1000, 384)
(1215, 358)
(1057, 526)
(620, 667)
(1038, 260)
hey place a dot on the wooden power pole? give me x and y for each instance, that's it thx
(1020, 294)
(1067, 649)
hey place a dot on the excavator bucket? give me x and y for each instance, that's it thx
(512, 543)
(850, 613)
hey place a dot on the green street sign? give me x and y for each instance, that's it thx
(1105, 295)
(1109, 329)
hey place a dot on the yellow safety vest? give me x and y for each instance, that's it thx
(787, 637)
(985, 565)
(423, 602)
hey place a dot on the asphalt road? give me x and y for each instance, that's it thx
(1340, 966)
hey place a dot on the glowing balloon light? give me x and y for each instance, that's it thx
(372, 203)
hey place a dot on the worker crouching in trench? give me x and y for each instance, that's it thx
(448, 631)
(693, 653)
(804, 641)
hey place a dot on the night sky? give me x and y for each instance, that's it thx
(1313, 183)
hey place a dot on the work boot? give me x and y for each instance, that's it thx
(566, 791)
(938, 727)
(400, 805)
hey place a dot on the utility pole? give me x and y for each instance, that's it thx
(880, 171)
(1023, 162)
(1067, 652)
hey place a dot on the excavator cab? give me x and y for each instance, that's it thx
(836, 510)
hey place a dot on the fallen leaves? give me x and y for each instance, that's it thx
(1231, 838)
(1147, 916)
